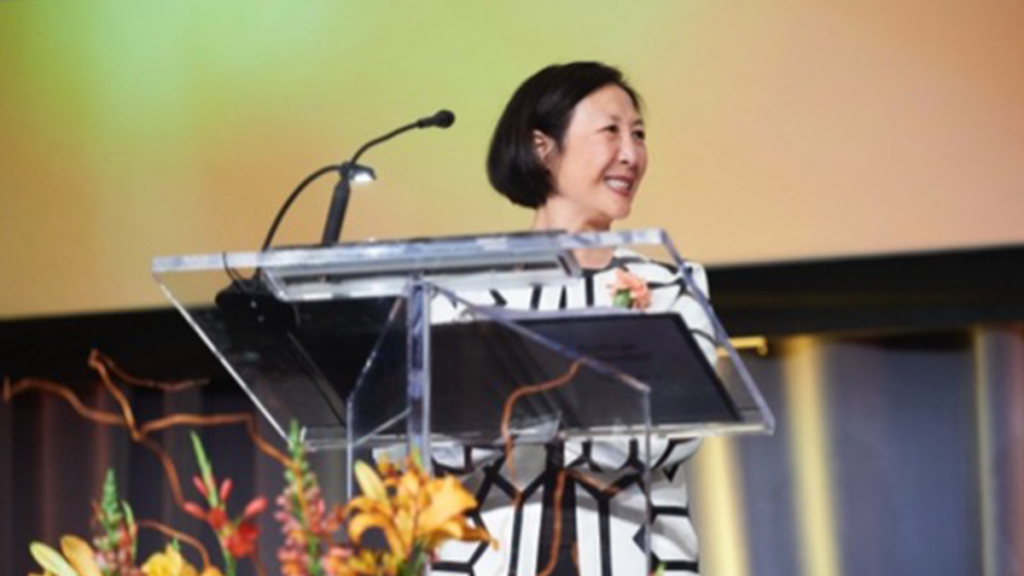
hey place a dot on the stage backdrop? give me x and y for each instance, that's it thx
(777, 130)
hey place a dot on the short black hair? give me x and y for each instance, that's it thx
(544, 102)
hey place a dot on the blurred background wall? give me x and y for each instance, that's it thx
(777, 130)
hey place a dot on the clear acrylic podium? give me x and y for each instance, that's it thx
(369, 346)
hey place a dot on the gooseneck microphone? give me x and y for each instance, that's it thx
(443, 119)
(339, 201)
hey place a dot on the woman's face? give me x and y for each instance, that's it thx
(598, 168)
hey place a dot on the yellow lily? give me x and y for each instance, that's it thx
(447, 499)
(411, 510)
(372, 486)
(364, 521)
(80, 555)
(168, 563)
(51, 560)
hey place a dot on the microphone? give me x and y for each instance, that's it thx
(442, 119)
(339, 201)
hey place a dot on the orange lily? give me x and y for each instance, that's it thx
(412, 510)
(80, 555)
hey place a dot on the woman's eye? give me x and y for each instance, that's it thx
(640, 135)
(613, 129)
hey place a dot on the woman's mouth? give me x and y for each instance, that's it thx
(620, 184)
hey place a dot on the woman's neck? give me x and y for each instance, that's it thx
(595, 258)
(550, 217)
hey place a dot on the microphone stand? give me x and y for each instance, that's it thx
(339, 204)
(343, 189)
(339, 200)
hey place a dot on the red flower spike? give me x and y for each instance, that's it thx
(255, 507)
(242, 542)
(125, 538)
(217, 518)
(195, 510)
(200, 486)
(225, 489)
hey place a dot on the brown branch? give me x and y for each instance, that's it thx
(218, 420)
(126, 408)
(140, 433)
(171, 532)
(100, 363)
(130, 380)
(557, 496)
(506, 435)
(510, 403)
(605, 488)
(221, 420)
(556, 538)
(25, 384)
(169, 469)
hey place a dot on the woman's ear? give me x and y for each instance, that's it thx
(543, 145)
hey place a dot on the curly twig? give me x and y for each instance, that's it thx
(556, 539)
(559, 491)
(506, 435)
(522, 392)
(218, 420)
(605, 488)
(171, 532)
(140, 433)
(131, 380)
(95, 362)
(25, 384)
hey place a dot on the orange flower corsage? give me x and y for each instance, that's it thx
(629, 291)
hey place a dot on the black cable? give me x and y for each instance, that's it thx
(288, 203)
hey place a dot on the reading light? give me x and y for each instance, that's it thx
(361, 174)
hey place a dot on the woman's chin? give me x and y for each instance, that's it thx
(621, 212)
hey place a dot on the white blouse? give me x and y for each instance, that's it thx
(602, 530)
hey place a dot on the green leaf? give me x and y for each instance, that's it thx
(109, 516)
(51, 560)
(417, 459)
(294, 440)
(110, 501)
(206, 471)
(413, 565)
(129, 517)
(622, 299)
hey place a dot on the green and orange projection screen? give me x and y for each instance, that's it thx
(786, 130)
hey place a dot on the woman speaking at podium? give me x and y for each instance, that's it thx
(570, 146)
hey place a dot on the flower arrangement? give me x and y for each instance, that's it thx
(415, 512)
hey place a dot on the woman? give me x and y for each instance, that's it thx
(570, 145)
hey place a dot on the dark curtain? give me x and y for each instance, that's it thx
(923, 454)
(54, 462)
(924, 428)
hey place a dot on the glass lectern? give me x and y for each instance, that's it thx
(431, 343)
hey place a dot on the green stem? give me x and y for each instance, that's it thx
(312, 552)
(414, 565)
(229, 561)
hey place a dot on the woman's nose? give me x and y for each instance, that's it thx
(629, 151)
